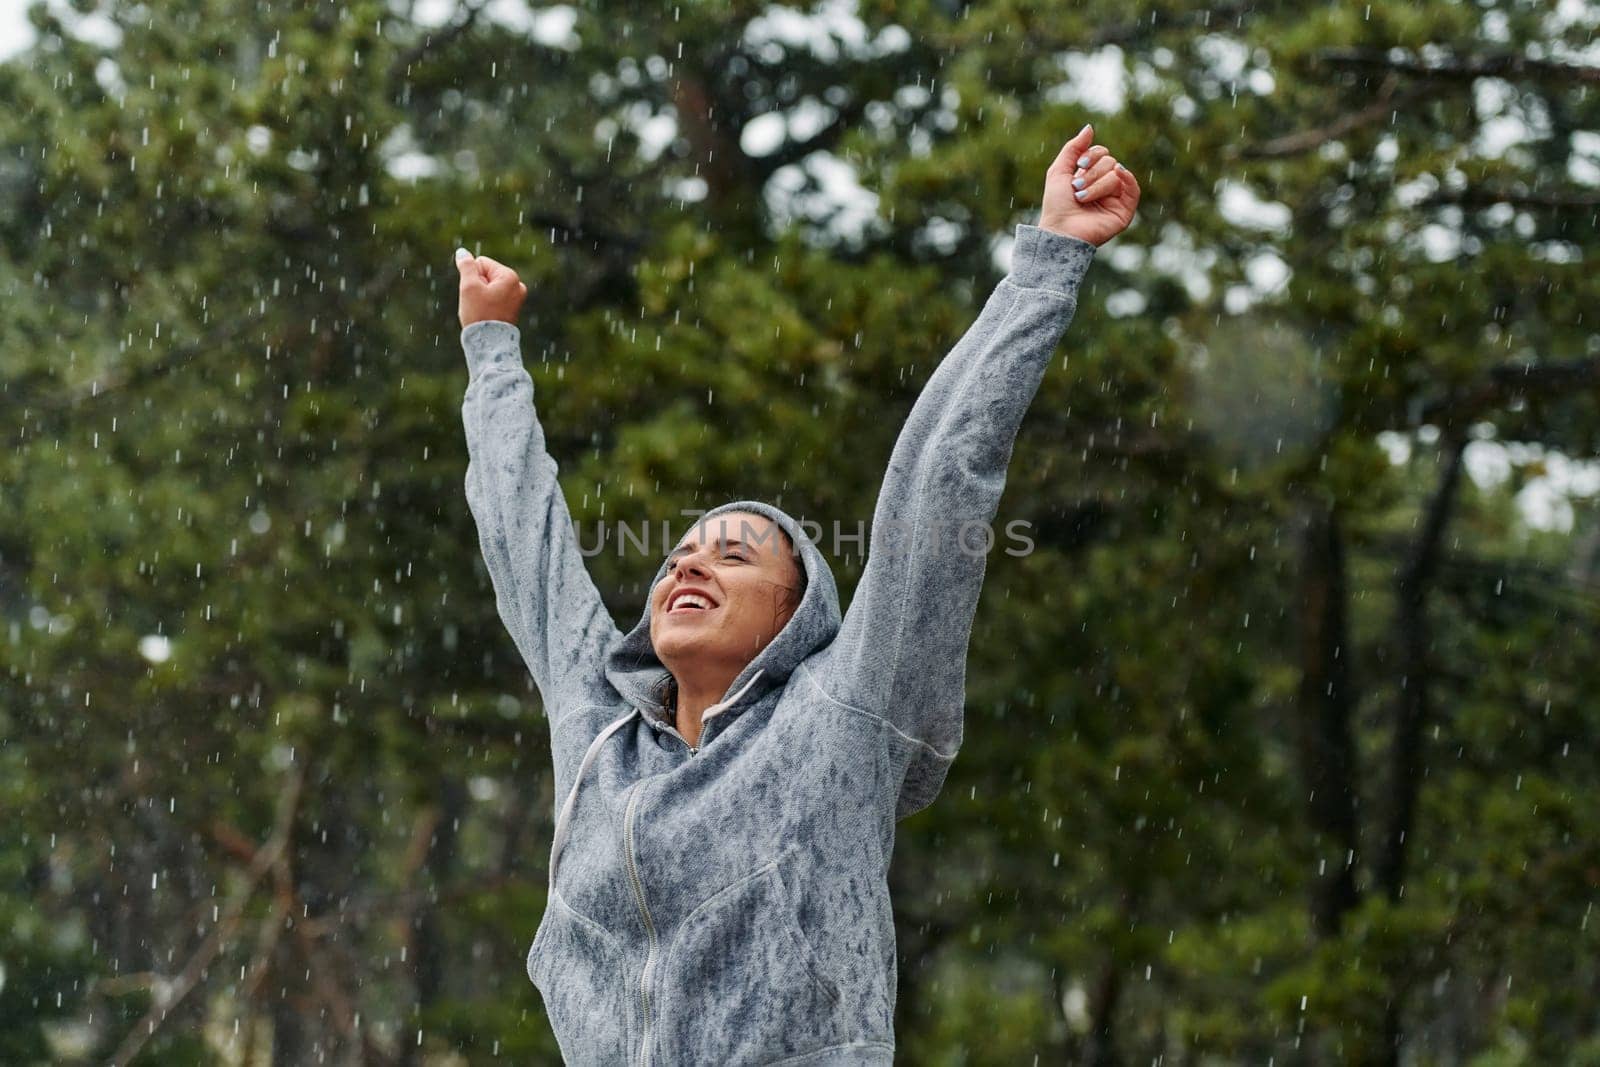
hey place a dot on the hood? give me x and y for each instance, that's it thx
(634, 671)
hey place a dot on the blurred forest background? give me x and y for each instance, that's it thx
(1282, 742)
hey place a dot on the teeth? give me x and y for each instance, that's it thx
(691, 599)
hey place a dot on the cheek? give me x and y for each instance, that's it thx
(757, 599)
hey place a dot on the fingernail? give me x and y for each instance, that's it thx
(1083, 161)
(1080, 132)
(1121, 167)
(462, 253)
(1080, 193)
(1078, 183)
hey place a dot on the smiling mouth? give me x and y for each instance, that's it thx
(690, 603)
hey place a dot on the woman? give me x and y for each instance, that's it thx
(730, 771)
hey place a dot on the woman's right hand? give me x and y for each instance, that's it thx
(489, 290)
(1096, 201)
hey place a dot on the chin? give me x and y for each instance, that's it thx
(670, 644)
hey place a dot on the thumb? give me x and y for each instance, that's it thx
(1079, 143)
(467, 265)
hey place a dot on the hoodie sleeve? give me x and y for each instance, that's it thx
(901, 650)
(543, 592)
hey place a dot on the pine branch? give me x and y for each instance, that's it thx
(266, 858)
(1508, 65)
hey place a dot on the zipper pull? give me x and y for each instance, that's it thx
(693, 751)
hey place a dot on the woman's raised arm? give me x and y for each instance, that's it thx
(901, 651)
(544, 593)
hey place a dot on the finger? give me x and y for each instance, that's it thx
(1110, 183)
(1096, 170)
(1129, 181)
(498, 273)
(1073, 148)
(493, 267)
(465, 263)
(1093, 155)
(475, 270)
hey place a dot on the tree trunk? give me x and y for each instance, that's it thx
(1406, 765)
(1100, 1047)
(1414, 638)
(1327, 752)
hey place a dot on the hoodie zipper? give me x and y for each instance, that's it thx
(644, 910)
(712, 712)
(638, 886)
(693, 750)
(649, 925)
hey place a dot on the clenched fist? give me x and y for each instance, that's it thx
(489, 290)
(1087, 193)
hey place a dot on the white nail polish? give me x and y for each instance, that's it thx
(462, 253)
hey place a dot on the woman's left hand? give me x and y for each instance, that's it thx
(1087, 193)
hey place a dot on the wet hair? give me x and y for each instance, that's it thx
(666, 693)
(798, 593)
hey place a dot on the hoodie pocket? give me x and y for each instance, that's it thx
(741, 983)
(578, 969)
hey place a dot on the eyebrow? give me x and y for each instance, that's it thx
(724, 541)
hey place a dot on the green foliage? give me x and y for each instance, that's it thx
(234, 545)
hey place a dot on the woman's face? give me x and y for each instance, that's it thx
(728, 591)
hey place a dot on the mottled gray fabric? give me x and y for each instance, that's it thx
(730, 905)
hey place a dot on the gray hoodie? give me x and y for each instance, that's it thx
(728, 903)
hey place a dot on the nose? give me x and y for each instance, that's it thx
(691, 565)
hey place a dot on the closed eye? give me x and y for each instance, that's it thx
(734, 553)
